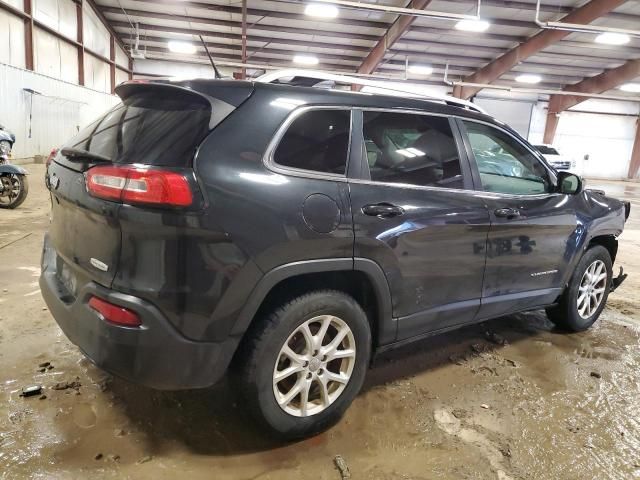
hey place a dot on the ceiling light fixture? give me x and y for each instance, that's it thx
(528, 78)
(472, 25)
(611, 38)
(321, 10)
(421, 69)
(630, 87)
(305, 59)
(181, 47)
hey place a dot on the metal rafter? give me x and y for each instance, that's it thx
(585, 14)
(391, 36)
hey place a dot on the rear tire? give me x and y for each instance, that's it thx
(326, 371)
(23, 184)
(586, 295)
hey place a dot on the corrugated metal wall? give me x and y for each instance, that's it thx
(56, 115)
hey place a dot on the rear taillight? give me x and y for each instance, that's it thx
(115, 313)
(139, 185)
(51, 156)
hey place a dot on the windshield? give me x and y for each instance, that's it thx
(148, 129)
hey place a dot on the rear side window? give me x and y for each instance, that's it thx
(412, 149)
(149, 128)
(317, 140)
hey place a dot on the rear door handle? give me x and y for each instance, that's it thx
(382, 210)
(508, 213)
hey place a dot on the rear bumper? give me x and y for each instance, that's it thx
(154, 355)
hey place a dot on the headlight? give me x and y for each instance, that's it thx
(5, 147)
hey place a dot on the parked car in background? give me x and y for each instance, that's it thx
(286, 234)
(556, 160)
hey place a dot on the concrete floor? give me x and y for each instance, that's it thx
(459, 406)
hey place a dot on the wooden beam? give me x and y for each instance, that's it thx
(112, 65)
(80, 39)
(607, 80)
(634, 165)
(391, 36)
(28, 36)
(243, 71)
(550, 127)
(583, 15)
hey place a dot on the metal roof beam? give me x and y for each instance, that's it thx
(586, 14)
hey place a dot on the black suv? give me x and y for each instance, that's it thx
(289, 233)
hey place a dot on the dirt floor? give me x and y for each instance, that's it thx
(509, 399)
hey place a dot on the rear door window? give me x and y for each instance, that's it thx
(412, 149)
(317, 140)
(150, 129)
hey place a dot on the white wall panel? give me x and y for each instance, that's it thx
(55, 57)
(57, 114)
(97, 74)
(606, 139)
(121, 76)
(60, 15)
(175, 69)
(19, 4)
(515, 113)
(11, 40)
(121, 57)
(96, 36)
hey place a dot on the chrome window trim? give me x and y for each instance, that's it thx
(275, 167)
(271, 165)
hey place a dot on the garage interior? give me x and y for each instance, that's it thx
(508, 399)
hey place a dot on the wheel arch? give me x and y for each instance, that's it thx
(363, 279)
(610, 242)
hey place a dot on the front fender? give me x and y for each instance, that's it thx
(15, 169)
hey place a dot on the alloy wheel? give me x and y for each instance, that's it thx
(314, 366)
(592, 289)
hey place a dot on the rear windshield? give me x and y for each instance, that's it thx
(543, 149)
(149, 129)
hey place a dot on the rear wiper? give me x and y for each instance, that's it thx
(78, 154)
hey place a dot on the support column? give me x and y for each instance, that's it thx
(80, 35)
(28, 35)
(634, 165)
(551, 127)
(112, 65)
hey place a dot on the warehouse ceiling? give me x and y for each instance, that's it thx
(278, 30)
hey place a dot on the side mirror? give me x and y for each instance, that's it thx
(568, 183)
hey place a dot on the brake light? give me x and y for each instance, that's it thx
(139, 185)
(115, 313)
(51, 156)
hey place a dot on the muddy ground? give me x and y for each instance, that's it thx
(545, 405)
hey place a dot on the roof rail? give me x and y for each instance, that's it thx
(276, 76)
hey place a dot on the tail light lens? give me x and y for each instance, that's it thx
(114, 313)
(139, 185)
(51, 156)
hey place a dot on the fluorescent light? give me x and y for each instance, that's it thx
(611, 38)
(528, 78)
(305, 59)
(321, 10)
(472, 25)
(181, 47)
(416, 152)
(406, 153)
(421, 69)
(630, 87)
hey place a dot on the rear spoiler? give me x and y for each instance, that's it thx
(220, 107)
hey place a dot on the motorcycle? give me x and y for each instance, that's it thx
(13, 179)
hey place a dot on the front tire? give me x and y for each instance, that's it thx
(300, 368)
(18, 188)
(586, 295)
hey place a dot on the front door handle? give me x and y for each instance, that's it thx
(382, 210)
(508, 213)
